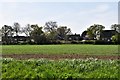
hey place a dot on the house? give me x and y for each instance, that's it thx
(73, 37)
(20, 39)
(14, 39)
(106, 35)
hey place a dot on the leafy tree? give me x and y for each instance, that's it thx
(116, 27)
(90, 34)
(94, 30)
(36, 30)
(37, 34)
(6, 32)
(116, 38)
(62, 31)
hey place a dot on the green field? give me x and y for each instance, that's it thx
(43, 69)
(62, 69)
(60, 49)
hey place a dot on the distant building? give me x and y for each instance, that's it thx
(106, 35)
(20, 39)
(73, 37)
(15, 39)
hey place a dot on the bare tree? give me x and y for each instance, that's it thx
(27, 30)
(50, 26)
(16, 28)
(51, 30)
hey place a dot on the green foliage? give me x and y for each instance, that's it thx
(116, 27)
(94, 30)
(37, 34)
(116, 38)
(62, 69)
(62, 32)
(90, 34)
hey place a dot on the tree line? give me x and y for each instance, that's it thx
(51, 32)
(48, 33)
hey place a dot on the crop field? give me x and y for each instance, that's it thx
(44, 62)
(60, 49)
(62, 69)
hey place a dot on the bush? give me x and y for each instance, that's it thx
(74, 42)
(87, 42)
(102, 42)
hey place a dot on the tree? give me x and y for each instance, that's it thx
(16, 28)
(0, 36)
(6, 32)
(62, 31)
(51, 30)
(50, 26)
(116, 27)
(27, 29)
(115, 38)
(84, 34)
(94, 30)
(37, 34)
(36, 30)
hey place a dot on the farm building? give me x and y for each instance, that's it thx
(73, 37)
(15, 39)
(106, 35)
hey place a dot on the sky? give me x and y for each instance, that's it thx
(75, 15)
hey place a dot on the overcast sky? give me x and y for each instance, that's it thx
(76, 15)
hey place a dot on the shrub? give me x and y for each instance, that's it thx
(87, 42)
(102, 42)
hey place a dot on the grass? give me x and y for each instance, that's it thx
(60, 49)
